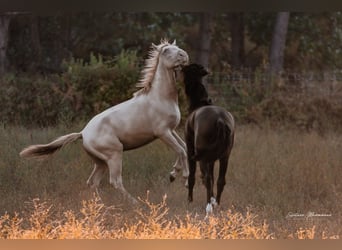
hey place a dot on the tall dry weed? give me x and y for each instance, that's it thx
(151, 222)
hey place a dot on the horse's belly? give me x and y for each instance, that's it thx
(136, 141)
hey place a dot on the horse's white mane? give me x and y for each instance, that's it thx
(150, 67)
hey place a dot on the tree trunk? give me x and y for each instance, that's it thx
(204, 45)
(204, 39)
(278, 43)
(4, 24)
(238, 39)
(35, 39)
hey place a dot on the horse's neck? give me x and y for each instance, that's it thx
(193, 105)
(164, 84)
(197, 96)
(195, 102)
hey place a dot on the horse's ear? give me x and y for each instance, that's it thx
(154, 46)
(174, 42)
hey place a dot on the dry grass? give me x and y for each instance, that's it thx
(96, 221)
(280, 184)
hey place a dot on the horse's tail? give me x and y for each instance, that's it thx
(223, 136)
(41, 150)
(219, 143)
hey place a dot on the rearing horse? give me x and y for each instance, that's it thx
(151, 113)
(209, 134)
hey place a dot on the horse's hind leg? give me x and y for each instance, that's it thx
(179, 139)
(191, 178)
(97, 174)
(189, 138)
(115, 175)
(208, 170)
(221, 181)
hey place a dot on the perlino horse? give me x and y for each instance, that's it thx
(151, 113)
(209, 135)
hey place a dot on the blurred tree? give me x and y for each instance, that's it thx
(35, 40)
(237, 29)
(259, 28)
(278, 42)
(204, 41)
(4, 24)
(39, 43)
(315, 41)
(42, 42)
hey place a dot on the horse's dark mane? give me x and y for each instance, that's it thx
(194, 89)
(198, 97)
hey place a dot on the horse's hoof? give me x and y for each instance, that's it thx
(209, 209)
(172, 178)
(186, 183)
(213, 202)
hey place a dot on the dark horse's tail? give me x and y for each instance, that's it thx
(223, 137)
(219, 144)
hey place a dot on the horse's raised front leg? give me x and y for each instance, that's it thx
(169, 139)
(183, 144)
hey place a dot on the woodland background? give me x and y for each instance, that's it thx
(74, 65)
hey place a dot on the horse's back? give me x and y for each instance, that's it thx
(206, 118)
(122, 127)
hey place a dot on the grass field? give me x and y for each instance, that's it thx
(280, 184)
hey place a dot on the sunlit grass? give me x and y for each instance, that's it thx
(96, 221)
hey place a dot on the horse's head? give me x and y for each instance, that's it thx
(168, 55)
(193, 74)
(171, 55)
(194, 71)
(194, 88)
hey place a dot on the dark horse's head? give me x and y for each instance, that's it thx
(194, 88)
(194, 72)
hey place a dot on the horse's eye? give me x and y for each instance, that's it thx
(166, 50)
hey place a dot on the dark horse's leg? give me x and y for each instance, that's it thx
(207, 169)
(191, 178)
(189, 139)
(221, 181)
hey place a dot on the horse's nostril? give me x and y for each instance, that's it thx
(183, 55)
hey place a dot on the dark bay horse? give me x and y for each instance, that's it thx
(209, 134)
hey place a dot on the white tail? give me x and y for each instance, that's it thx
(42, 150)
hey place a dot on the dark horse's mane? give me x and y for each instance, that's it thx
(194, 89)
